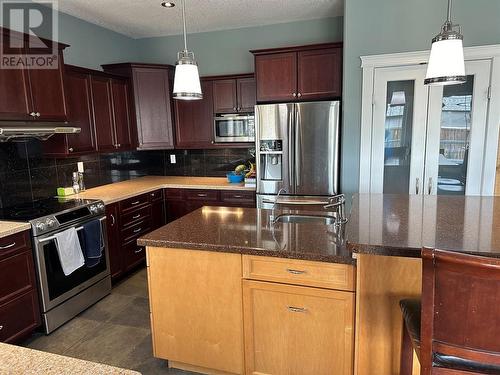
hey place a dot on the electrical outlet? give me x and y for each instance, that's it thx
(172, 159)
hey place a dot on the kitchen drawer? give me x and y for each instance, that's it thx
(16, 275)
(132, 203)
(19, 317)
(131, 217)
(299, 272)
(202, 195)
(133, 254)
(243, 197)
(174, 193)
(14, 244)
(136, 230)
(156, 195)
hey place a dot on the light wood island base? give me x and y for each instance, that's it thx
(382, 281)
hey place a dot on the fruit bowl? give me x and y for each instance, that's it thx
(235, 178)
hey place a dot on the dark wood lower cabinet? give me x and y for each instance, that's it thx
(113, 234)
(19, 309)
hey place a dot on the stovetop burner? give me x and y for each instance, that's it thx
(39, 208)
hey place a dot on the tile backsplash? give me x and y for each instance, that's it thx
(26, 174)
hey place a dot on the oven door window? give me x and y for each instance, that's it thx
(57, 282)
(232, 128)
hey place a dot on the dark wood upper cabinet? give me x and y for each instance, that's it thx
(32, 94)
(102, 112)
(319, 73)
(79, 102)
(15, 97)
(225, 99)
(151, 95)
(312, 72)
(246, 94)
(233, 94)
(276, 76)
(121, 114)
(47, 92)
(194, 120)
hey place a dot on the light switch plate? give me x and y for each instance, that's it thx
(172, 159)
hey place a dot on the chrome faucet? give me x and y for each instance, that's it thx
(272, 217)
(337, 202)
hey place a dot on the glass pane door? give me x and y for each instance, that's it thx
(399, 123)
(455, 141)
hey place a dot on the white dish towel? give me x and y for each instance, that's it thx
(69, 250)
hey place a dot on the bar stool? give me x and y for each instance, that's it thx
(455, 329)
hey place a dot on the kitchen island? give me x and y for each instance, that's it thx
(225, 283)
(261, 274)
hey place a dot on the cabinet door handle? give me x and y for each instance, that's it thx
(417, 185)
(113, 222)
(134, 203)
(430, 186)
(136, 216)
(234, 108)
(137, 230)
(8, 246)
(119, 145)
(299, 94)
(70, 149)
(295, 272)
(297, 309)
(139, 250)
(33, 114)
(1, 327)
(202, 195)
(38, 114)
(238, 196)
(294, 94)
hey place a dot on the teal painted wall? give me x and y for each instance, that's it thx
(389, 26)
(226, 52)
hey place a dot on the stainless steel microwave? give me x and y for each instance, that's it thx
(234, 128)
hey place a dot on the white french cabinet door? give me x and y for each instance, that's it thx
(456, 132)
(400, 102)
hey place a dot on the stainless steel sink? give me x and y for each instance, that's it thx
(299, 219)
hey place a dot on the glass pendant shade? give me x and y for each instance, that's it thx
(187, 79)
(446, 62)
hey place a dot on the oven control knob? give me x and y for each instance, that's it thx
(93, 209)
(40, 226)
(50, 223)
(100, 206)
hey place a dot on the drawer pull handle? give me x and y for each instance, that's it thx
(202, 195)
(296, 309)
(1, 327)
(238, 196)
(138, 250)
(136, 216)
(8, 246)
(295, 272)
(137, 230)
(134, 203)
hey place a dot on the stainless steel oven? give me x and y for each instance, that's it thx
(63, 297)
(234, 128)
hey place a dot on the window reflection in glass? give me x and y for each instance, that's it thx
(456, 118)
(398, 136)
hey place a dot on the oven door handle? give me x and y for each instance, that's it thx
(78, 229)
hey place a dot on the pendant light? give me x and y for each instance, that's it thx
(187, 79)
(446, 62)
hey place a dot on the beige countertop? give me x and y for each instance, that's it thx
(19, 360)
(126, 189)
(10, 227)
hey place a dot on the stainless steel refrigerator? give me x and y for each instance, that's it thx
(297, 152)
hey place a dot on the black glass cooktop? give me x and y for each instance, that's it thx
(36, 209)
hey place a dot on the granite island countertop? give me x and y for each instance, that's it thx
(249, 231)
(400, 225)
(18, 360)
(118, 191)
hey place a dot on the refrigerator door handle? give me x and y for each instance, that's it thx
(297, 155)
(291, 161)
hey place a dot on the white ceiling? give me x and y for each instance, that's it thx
(146, 18)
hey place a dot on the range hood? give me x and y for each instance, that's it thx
(41, 131)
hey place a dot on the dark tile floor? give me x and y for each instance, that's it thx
(114, 331)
